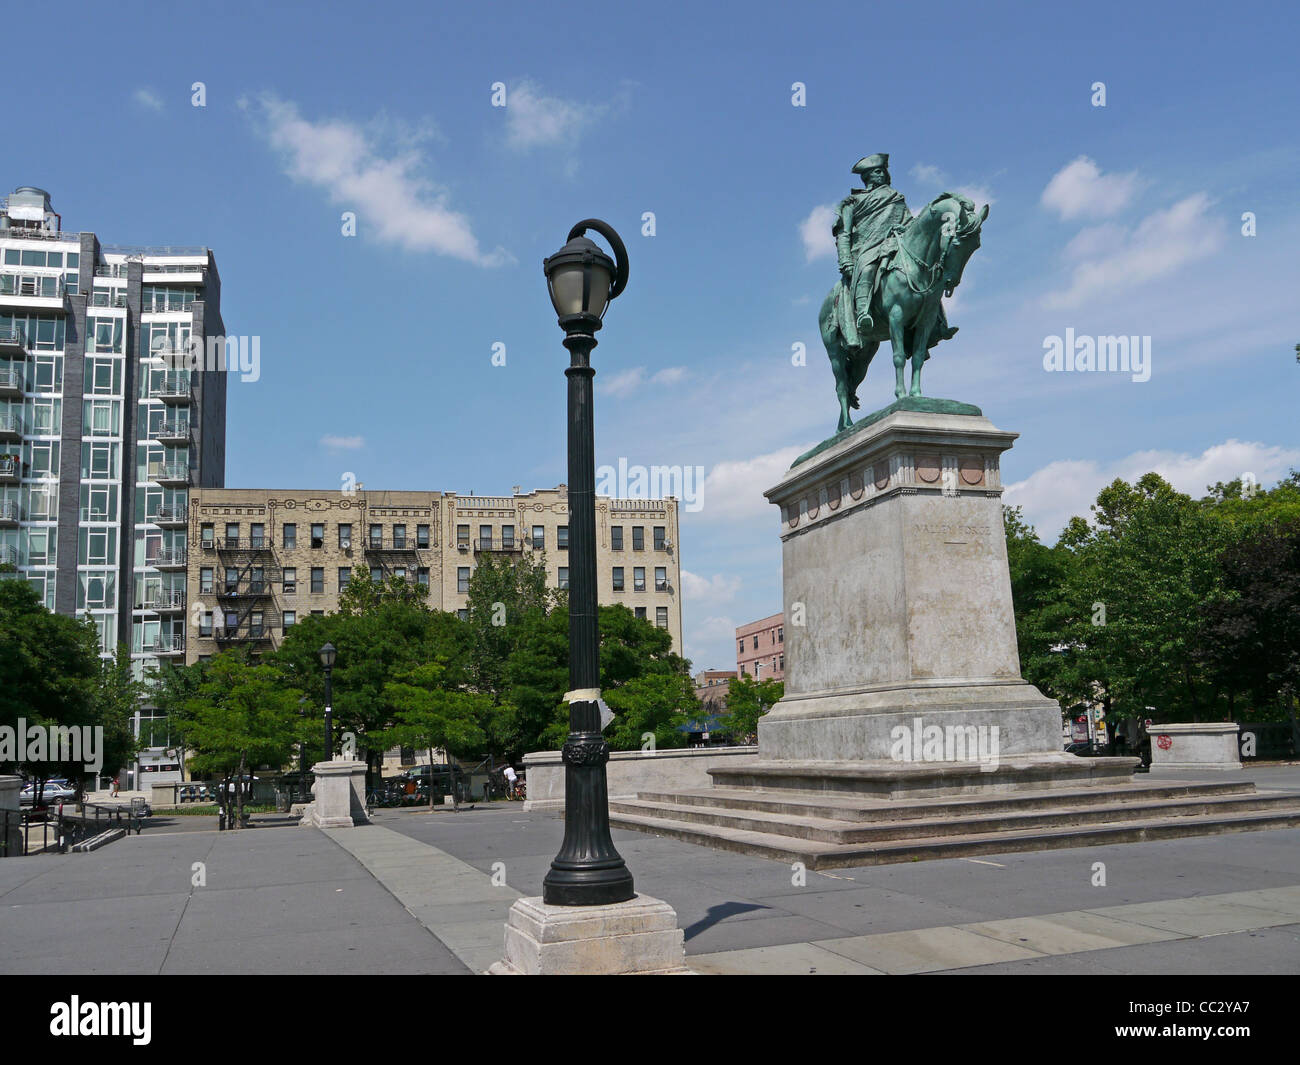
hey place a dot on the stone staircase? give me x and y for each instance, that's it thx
(836, 815)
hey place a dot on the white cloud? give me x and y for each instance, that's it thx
(534, 120)
(928, 174)
(147, 98)
(393, 201)
(1110, 259)
(1080, 188)
(342, 443)
(628, 381)
(704, 637)
(735, 489)
(1060, 490)
(815, 232)
(708, 591)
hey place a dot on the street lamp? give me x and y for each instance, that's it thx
(327, 657)
(587, 871)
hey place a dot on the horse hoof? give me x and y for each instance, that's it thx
(854, 403)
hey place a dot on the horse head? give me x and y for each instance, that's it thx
(961, 234)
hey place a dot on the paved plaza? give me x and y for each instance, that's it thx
(421, 892)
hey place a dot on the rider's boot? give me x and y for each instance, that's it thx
(949, 333)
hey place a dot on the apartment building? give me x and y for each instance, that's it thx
(760, 648)
(101, 439)
(260, 560)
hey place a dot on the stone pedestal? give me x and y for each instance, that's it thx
(1197, 745)
(11, 832)
(339, 795)
(897, 595)
(637, 937)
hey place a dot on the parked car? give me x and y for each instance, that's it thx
(441, 777)
(55, 790)
(194, 793)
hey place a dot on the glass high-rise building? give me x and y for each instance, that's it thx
(101, 436)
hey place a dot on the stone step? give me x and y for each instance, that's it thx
(819, 855)
(855, 809)
(825, 830)
(897, 780)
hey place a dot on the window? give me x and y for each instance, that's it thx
(257, 535)
(345, 575)
(741, 649)
(462, 536)
(345, 536)
(661, 537)
(562, 538)
(782, 661)
(422, 577)
(638, 579)
(422, 536)
(205, 580)
(462, 579)
(290, 580)
(485, 537)
(289, 536)
(318, 534)
(399, 537)
(207, 534)
(564, 576)
(755, 641)
(205, 623)
(618, 578)
(638, 537)
(616, 538)
(231, 583)
(539, 536)
(232, 534)
(661, 579)
(640, 612)
(317, 580)
(376, 536)
(377, 573)
(290, 620)
(780, 634)
(507, 536)
(463, 614)
(255, 623)
(661, 616)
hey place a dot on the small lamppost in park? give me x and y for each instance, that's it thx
(327, 657)
(587, 871)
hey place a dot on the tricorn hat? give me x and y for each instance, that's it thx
(870, 162)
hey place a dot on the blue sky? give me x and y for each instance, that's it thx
(377, 350)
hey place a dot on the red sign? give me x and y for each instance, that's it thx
(1164, 742)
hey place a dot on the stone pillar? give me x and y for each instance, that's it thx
(339, 794)
(897, 592)
(11, 842)
(637, 937)
(1195, 745)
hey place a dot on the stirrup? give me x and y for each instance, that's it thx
(865, 323)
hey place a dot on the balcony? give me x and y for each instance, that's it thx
(12, 342)
(169, 645)
(170, 558)
(165, 601)
(230, 545)
(11, 383)
(11, 427)
(252, 634)
(173, 433)
(10, 513)
(174, 389)
(33, 292)
(397, 545)
(170, 474)
(102, 297)
(171, 516)
(249, 590)
(8, 555)
(508, 547)
(11, 469)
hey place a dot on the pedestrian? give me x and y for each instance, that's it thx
(511, 777)
(116, 788)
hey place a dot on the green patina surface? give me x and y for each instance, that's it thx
(918, 404)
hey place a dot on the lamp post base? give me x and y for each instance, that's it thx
(638, 936)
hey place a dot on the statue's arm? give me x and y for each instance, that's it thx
(843, 231)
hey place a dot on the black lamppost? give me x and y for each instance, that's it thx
(327, 657)
(588, 871)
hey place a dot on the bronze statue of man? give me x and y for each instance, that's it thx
(864, 228)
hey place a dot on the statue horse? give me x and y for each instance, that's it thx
(931, 254)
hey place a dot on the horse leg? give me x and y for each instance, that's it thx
(839, 360)
(920, 347)
(896, 341)
(861, 361)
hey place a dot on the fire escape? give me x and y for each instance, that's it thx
(247, 613)
(397, 556)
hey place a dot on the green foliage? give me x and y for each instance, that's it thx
(505, 595)
(428, 714)
(748, 700)
(1189, 607)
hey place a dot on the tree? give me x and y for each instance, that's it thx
(748, 700)
(504, 596)
(431, 714)
(241, 716)
(117, 698)
(49, 675)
